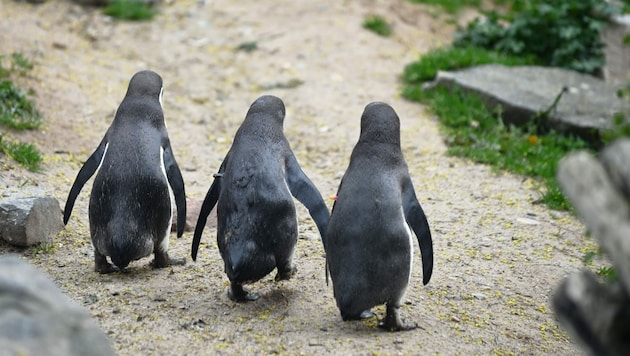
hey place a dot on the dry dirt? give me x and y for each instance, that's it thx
(498, 255)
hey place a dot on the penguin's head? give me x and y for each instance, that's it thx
(268, 105)
(146, 83)
(380, 123)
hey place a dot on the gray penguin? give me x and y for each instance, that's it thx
(130, 204)
(369, 245)
(256, 218)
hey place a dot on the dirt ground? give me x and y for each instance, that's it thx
(498, 254)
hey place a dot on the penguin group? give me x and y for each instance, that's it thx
(367, 237)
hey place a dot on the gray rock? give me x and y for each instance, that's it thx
(37, 319)
(524, 91)
(598, 314)
(27, 220)
(617, 67)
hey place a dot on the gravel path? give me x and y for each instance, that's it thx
(497, 253)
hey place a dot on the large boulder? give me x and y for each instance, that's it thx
(29, 217)
(587, 106)
(597, 313)
(37, 319)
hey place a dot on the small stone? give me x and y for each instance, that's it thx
(27, 220)
(314, 343)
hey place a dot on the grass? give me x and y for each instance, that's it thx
(479, 134)
(378, 25)
(129, 10)
(17, 111)
(450, 6)
(25, 154)
(450, 58)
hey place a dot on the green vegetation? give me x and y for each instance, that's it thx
(474, 132)
(378, 25)
(557, 33)
(455, 6)
(17, 111)
(456, 57)
(25, 154)
(450, 6)
(129, 10)
(544, 32)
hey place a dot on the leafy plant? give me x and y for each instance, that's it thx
(129, 10)
(559, 33)
(378, 25)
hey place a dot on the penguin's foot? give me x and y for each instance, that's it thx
(237, 294)
(101, 265)
(392, 321)
(162, 260)
(286, 274)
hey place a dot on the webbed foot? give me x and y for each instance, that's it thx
(392, 321)
(237, 294)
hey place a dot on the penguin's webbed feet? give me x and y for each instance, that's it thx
(101, 265)
(392, 321)
(236, 293)
(285, 274)
(163, 260)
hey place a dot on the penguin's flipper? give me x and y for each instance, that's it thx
(208, 204)
(305, 191)
(85, 173)
(175, 180)
(418, 221)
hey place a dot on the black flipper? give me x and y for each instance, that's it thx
(305, 191)
(175, 180)
(418, 221)
(85, 173)
(208, 204)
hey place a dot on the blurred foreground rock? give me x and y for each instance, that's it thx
(595, 313)
(29, 217)
(37, 319)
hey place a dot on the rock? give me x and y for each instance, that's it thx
(30, 219)
(597, 314)
(589, 105)
(37, 319)
(193, 207)
(617, 67)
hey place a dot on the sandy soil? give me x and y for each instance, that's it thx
(498, 255)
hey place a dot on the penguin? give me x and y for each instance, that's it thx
(253, 190)
(369, 246)
(130, 203)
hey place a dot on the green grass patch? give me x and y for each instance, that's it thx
(450, 6)
(378, 25)
(474, 132)
(17, 111)
(129, 10)
(450, 58)
(25, 154)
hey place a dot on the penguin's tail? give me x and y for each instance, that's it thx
(129, 247)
